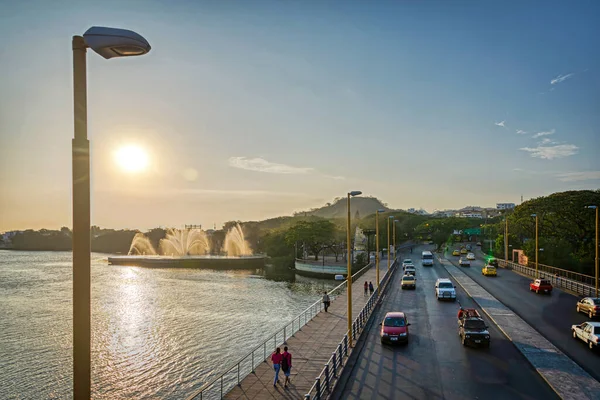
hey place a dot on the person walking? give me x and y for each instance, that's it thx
(326, 301)
(286, 365)
(371, 288)
(276, 360)
(366, 288)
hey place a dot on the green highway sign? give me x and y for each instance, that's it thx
(472, 231)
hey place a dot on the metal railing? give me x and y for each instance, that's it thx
(565, 273)
(560, 281)
(223, 383)
(332, 370)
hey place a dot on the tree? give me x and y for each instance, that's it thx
(315, 234)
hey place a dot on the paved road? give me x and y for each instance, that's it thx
(552, 316)
(434, 365)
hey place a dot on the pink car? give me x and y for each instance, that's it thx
(394, 328)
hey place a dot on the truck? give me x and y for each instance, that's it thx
(472, 329)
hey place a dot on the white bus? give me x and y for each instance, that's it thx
(427, 259)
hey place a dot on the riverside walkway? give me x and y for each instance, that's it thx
(311, 348)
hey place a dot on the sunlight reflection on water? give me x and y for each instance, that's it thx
(155, 333)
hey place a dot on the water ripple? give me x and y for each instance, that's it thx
(155, 333)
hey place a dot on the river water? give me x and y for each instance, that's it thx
(156, 333)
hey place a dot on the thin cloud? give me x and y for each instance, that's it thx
(501, 124)
(551, 152)
(521, 132)
(561, 78)
(546, 133)
(261, 165)
(547, 141)
(579, 176)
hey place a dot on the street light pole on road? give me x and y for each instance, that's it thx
(596, 208)
(109, 43)
(349, 272)
(536, 245)
(377, 246)
(388, 237)
(394, 238)
(506, 241)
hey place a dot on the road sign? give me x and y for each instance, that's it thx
(472, 231)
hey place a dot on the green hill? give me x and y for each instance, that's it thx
(364, 205)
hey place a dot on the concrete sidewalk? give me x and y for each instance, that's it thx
(311, 348)
(563, 375)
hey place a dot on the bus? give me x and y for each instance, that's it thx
(427, 259)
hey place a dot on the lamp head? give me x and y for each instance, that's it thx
(534, 215)
(381, 210)
(113, 42)
(592, 207)
(355, 193)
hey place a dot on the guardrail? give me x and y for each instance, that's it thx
(326, 379)
(580, 288)
(220, 385)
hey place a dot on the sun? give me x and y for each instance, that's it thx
(132, 158)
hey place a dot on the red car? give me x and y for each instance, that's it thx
(394, 328)
(541, 285)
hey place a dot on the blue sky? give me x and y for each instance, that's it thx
(250, 110)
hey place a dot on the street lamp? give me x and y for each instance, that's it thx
(109, 43)
(349, 273)
(536, 245)
(394, 238)
(377, 245)
(596, 208)
(388, 238)
(506, 241)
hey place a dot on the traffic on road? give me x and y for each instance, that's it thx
(554, 315)
(436, 359)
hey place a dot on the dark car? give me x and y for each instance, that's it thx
(541, 285)
(394, 328)
(473, 331)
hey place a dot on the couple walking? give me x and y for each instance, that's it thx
(369, 288)
(282, 361)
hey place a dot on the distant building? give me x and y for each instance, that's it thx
(418, 212)
(471, 215)
(505, 206)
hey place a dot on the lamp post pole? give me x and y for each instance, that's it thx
(536, 245)
(394, 239)
(596, 260)
(596, 251)
(377, 251)
(349, 266)
(506, 241)
(81, 227)
(109, 43)
(388, 242)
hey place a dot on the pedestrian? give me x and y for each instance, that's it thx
(276, 360)
(371, 288)
(326, 301)
(286, 365)
(366, 288)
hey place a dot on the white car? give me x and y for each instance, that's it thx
(470, 256)
(410, 270)
(406, 262)
(463, 262)
(589, 332)
(445, 290)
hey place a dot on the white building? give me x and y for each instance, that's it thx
(505, 206)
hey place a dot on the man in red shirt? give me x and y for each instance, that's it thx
(286, 365)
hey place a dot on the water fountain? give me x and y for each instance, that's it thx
(190, 248)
